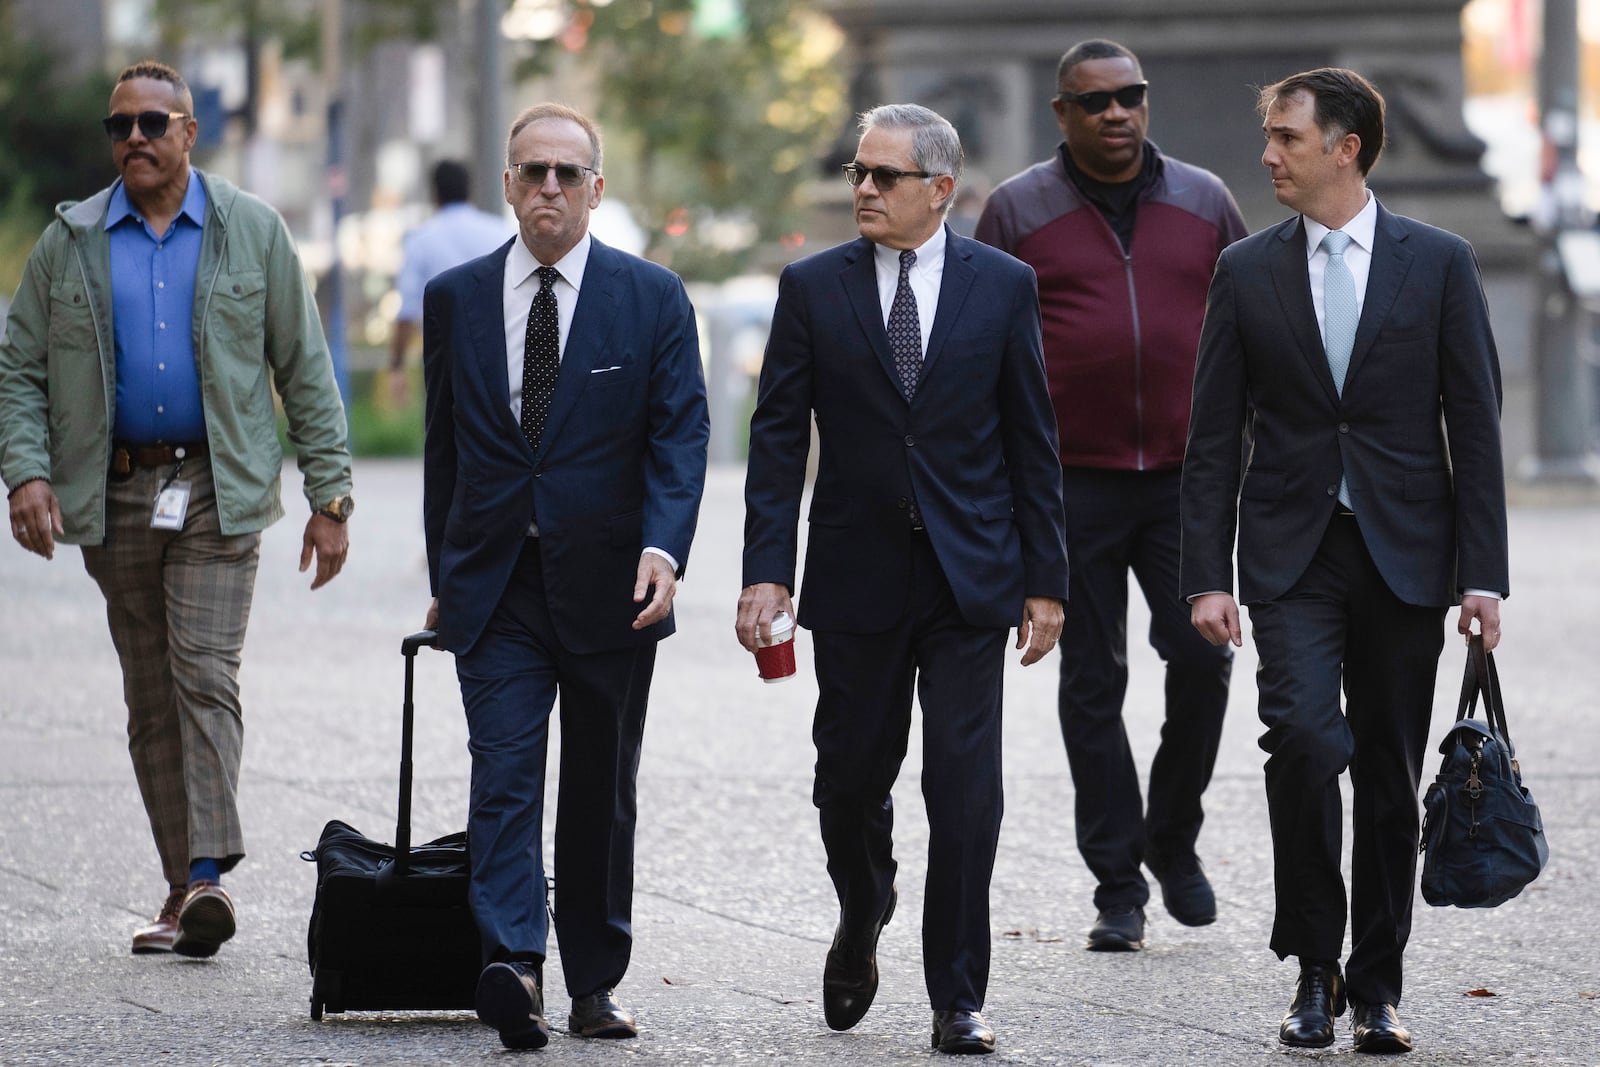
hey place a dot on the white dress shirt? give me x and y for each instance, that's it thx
(521, 285)
(924, 277)
(1362, 230)
(516, 298)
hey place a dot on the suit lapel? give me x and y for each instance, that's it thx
(1391, 260)
(860, 281)
(486, 328)
(1293, 284)
(592, 321)
(953, 287)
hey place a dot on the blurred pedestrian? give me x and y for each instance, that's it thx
(1352, 348)
(564, 463)
(935, 527)
(457, 232)
(153, 325)
(1124, 240)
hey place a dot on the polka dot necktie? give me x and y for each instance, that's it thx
(540, 357)
(905, 331)
(1339, 319)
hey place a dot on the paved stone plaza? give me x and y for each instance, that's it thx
(734, 910)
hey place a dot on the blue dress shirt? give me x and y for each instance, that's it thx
(152, 314)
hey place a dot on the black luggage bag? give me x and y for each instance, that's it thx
(390, 928)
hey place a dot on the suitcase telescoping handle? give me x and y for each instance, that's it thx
(402, 829)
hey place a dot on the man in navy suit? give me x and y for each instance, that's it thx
(936, 525)
(565, 458)
(1353, 348)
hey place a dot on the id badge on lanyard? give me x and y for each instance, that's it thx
(172, 502)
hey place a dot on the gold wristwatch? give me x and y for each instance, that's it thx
(338, 509)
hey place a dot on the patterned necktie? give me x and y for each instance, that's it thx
(540, 357)
(905, 331)
(1339, 318)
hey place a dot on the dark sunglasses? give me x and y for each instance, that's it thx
(569, 175)
(1129, 96)
(884, 178)
(153, 124)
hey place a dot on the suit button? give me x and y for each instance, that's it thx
(1333, 490)
(902, 503)
(911, 442)
(1344, 427)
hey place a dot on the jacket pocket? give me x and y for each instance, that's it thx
(71, 327)
(993, 508)
(239, 309)
(1262, 485)
(830, 511)
(1426, 485)
(626, 530)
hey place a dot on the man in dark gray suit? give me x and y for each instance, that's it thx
(1355, 347)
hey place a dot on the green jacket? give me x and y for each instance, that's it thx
(253, 314)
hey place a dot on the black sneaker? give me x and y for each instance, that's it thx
(1118, 928)
(1185, 890)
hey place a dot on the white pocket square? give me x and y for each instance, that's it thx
(606, 370)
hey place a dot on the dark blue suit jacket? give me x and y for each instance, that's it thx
(621, 463)
(977, 444)
(1416, 432)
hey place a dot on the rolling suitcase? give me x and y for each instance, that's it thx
(390, 928)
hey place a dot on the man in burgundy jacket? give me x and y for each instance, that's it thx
(1124, 241)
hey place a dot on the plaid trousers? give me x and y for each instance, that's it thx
(178, 602)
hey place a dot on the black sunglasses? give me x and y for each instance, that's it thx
(153, 124)
(569, 175)
(884, 178)
(1129, 96)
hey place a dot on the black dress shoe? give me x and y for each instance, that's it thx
(1119, 928)
(962, 1032)
(1318, 1000)
(598, 1015)
(1378, 1029)
(510, 1000)
(1185, 889)
(850, 974)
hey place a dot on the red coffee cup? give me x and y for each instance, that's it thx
(775, 657)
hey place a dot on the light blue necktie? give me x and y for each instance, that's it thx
(1339, 318)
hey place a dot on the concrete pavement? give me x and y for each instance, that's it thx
(734, 910)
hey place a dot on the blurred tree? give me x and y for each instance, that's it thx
(57, 150)
(714, 111)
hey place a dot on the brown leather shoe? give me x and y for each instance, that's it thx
(599, 1015)
(158, 934)
(205, 921)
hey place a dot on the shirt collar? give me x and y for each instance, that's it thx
(928, 252)
(520, 263)
(193, 206)
(1363, 229)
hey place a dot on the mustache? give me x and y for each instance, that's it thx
(131, 156)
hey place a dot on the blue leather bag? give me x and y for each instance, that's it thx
(1481, 832)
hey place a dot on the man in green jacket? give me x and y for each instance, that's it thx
(136, 420)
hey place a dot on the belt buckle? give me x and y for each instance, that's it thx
(121, 463)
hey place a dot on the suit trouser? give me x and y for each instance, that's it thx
(1341, 620)
(861, 731)
(1119, 521)
(509, 682)
(178, 602)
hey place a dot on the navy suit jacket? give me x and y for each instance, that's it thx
(621, 462)
(976, 446)
(1416, 432)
